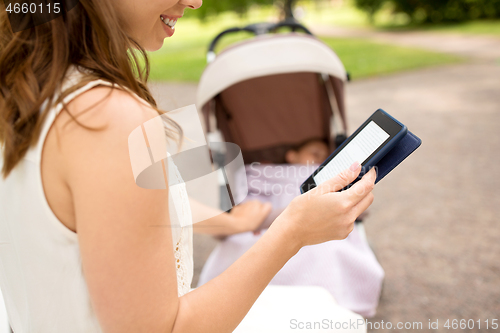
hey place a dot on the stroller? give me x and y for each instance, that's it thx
(269, 94)
(291, 80)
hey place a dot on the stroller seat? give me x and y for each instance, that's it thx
(273, 92)
(267, 95)
(347, 269)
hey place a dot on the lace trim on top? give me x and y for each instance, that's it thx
(181, 220)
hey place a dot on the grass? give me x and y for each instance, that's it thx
(481, 27)
(363, 58)
(182, 58)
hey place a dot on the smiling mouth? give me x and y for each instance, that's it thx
(170, 22)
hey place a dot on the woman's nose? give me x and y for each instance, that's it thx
(194, 4)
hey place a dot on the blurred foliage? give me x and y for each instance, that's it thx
(214, 7)
(370, 6)
(435, 11)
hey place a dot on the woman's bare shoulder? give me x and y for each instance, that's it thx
(106, 106)
(111, 114)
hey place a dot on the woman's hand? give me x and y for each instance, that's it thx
(317, 216)
(323, 214)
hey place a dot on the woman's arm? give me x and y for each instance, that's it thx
(220, 305)
(123, 230)
(125, 238)
(319, 215)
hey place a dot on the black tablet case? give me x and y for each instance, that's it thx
(408, 144)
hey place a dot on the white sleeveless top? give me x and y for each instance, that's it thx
(41, 274)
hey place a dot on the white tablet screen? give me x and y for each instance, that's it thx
(359, 149)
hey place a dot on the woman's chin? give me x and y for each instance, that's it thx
(153, 46)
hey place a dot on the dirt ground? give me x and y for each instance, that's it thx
(433, 225)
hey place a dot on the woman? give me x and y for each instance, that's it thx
(77, 250)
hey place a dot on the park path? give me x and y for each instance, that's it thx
(434, 223)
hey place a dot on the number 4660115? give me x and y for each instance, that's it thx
(463, 324)
(25, 8)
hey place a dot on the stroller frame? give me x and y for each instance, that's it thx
(299, 71)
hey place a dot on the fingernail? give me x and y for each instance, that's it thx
(354, 166)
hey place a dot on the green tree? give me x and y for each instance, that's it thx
(370, 7)
(213, 7)
(434, 11)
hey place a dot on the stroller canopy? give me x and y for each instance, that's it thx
(272, 92)
(268, 55)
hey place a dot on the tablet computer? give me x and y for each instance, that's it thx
(367, 145)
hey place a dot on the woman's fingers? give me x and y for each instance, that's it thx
(362, 188)
(323, 213)
(361, 206)
(341, 180)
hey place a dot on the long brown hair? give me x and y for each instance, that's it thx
(34, 62)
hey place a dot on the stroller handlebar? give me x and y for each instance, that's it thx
(256, 29)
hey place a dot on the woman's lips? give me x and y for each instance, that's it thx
(168, 24)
